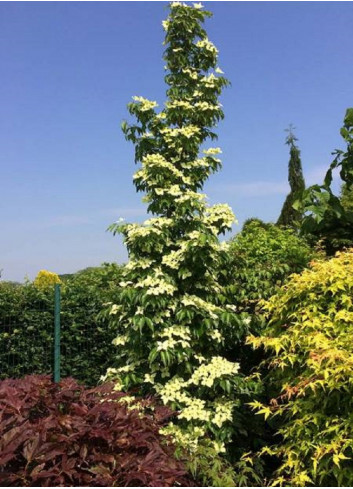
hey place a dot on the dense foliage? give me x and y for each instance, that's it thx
(326, 218)
(290, 216)
(346, 197)
(262, 256)
(310, 338)
(65, 435)
(27, 326)
(172, 318)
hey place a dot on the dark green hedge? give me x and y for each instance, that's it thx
(27, 324)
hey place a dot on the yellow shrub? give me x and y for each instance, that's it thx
(310, 339)
(46, 279)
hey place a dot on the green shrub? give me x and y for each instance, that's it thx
(27, 323)
(310, 340)
(262, 256)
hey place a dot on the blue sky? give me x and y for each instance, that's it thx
(70, 68)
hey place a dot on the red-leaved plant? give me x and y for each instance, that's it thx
(66, 435)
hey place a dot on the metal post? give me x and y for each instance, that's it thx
(57, 334)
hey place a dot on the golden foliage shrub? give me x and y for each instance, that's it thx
(310, 338)
(46, 279)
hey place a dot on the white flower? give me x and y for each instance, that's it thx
(212, 151)
(114, 309)
(120, 340)
(145, 104)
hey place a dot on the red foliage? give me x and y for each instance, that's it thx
(65, 435)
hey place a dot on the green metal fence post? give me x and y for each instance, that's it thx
(57, 334)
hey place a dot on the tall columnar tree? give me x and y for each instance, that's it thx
(172, 318)
(290, 216)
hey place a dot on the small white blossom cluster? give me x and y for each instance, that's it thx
(149, 379)
(156, 286)
(179, 104)
(173, 190)
(174, 258)
(135, 231)
(159, 222)
(187, 131)
(204, 106)
(142, 263)
(210, 309)
(224, 245)
(206, 374)
(195, 410)
(220, 214)
(199, 163)
(193, 74)
(120, 340)
(157, 163)
(216, 335)
(114, 374)
(178, 4)
(209, 81)
(176, 336)
(189, 195)
(144, 103)
(115, 309)
(188, 439)
(171, 343)
(182, 332)
(175, 390)
(208, 45)
(223, 413)
(165, 24)
(212, 151)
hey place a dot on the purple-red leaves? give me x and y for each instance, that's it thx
(66, 435)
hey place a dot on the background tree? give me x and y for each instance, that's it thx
(327, 217)
(290, 216)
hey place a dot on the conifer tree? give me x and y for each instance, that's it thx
(289, 216)
(172, 319)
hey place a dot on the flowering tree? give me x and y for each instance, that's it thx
(172, 319)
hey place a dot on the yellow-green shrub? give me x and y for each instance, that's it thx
(45, 279)
(310, 337)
